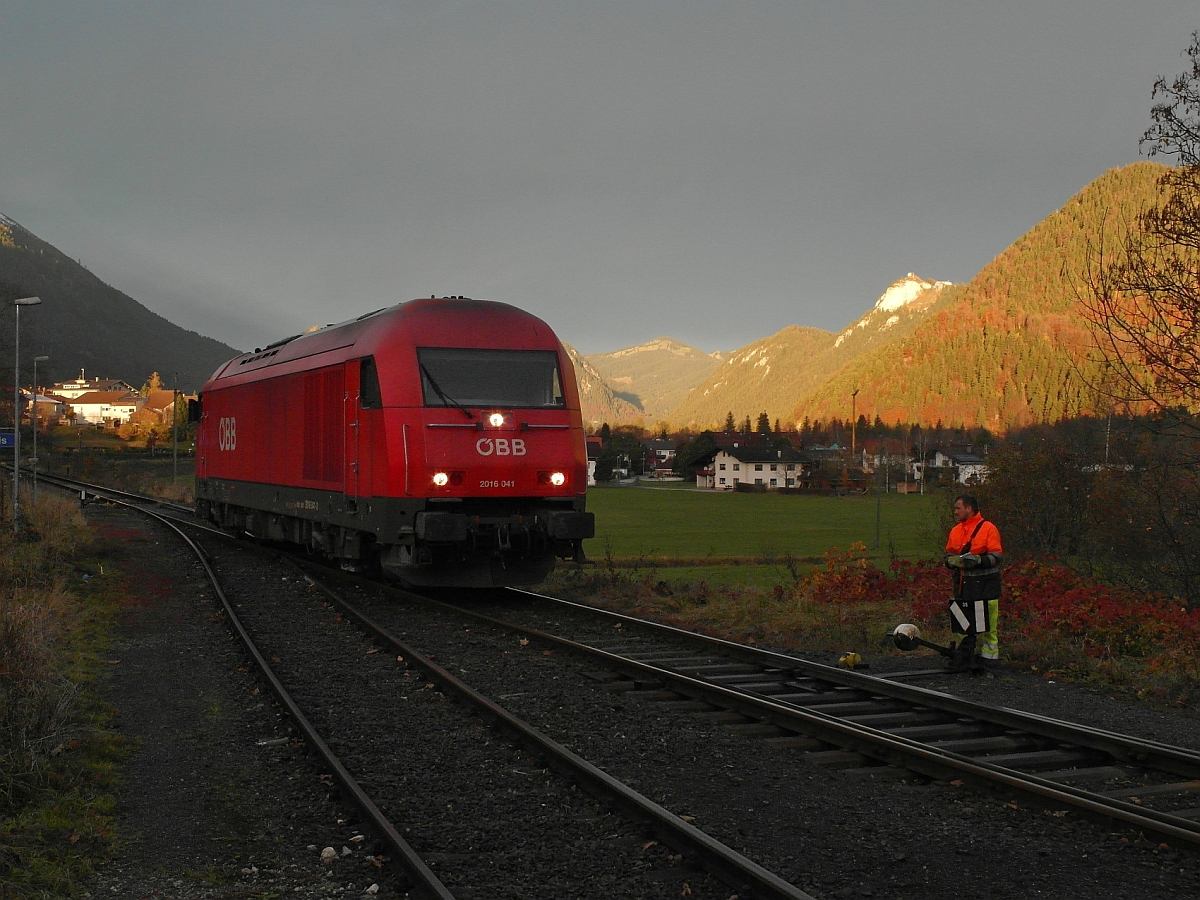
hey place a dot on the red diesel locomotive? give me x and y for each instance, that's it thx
(440, 439)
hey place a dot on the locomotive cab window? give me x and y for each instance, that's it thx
(368, 385)
(513, 378)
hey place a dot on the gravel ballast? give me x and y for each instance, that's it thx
(216, 799)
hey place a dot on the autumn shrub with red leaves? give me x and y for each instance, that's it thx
(1062, 623)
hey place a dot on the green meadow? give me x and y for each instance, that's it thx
(727, 538)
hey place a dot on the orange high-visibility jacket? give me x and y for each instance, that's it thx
(982, 583)
(986, 541)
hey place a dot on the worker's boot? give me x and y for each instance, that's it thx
(963, 656)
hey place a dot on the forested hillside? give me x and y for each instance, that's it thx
(1012, 347)
(84, 323)
(655, 376)
(772, 374)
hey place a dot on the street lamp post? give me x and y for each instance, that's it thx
(34, 461)
(174, 432)
(23, 301)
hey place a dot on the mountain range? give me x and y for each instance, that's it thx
(772, 374)
(1008, 348)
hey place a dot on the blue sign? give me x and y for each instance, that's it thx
(6, 439)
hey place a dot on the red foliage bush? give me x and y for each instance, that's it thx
(846, 577)
(1048, 610)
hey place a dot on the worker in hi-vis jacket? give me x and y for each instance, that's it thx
(974, 555)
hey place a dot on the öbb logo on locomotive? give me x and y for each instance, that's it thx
(371, 443)
(227, 433)
(500, 446)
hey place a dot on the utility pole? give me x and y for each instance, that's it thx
(34, 460)
(923, 472)
(878, 502)
(853, 421)
(16, 504)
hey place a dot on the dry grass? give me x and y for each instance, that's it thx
(789, 613)
(36, 613)
(57, 757)
(36, 695)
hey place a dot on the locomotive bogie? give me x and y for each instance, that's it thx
(440, 440)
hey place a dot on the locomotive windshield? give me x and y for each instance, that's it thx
(515, 378)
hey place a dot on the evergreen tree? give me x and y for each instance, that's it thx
(763, 425)
(153, 383)
(730, 425)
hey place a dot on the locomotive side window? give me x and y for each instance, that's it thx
(368, 385)
(514, 378)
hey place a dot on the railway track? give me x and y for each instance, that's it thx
(1145, 785)
(738, 872)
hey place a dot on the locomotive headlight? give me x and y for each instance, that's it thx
(558, 479)
(497, 419)
(441, 479)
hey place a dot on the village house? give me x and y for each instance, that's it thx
(109, 408)
(969, 468)
(160, 403)
(660, 457)
(48, 409)
(594, 446)
(766, 468)
(77, 387)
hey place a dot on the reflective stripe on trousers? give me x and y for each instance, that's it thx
(989, 641)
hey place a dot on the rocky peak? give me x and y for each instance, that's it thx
(908, 290)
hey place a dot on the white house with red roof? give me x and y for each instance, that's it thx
(105, 407)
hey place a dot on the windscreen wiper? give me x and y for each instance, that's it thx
(446, 401)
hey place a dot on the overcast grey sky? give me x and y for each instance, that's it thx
(711, 171)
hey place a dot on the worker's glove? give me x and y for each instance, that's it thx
(954, 562)
(969, 560)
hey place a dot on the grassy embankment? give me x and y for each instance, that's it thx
(57, 759)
